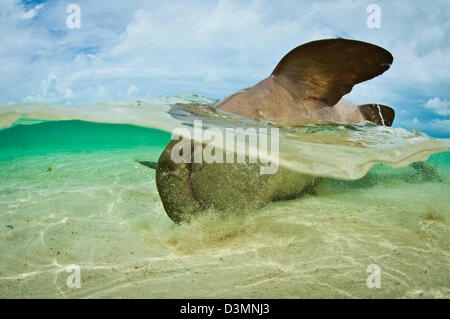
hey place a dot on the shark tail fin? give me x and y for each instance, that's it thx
(378, 113)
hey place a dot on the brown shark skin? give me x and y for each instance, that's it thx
(308, 83)
(270, 101)
(187, 190)
(306, 86)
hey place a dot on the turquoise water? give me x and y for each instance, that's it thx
(75, 136)
(73, 192)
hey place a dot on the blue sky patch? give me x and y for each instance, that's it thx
(215, 48)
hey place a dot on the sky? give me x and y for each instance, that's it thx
(134, 48)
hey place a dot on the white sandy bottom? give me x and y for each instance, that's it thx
(101, 211)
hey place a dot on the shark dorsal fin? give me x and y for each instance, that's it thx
(325, 70)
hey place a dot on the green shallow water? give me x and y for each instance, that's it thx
(75, 136)
(98, 208)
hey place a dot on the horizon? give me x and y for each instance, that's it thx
(142, 48)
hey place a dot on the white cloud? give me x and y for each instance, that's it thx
(31, 13)
(52, 88)
(438, 106)
(212, 48)
(132, 90)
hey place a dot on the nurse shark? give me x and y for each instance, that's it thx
(306, 87)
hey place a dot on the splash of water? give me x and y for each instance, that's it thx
(345, 151)
(381, 115)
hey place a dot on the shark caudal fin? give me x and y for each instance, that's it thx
(326, 70)
(378, 113)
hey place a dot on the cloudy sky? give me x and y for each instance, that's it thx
(132, 48)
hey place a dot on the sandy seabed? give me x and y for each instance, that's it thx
(101, 211)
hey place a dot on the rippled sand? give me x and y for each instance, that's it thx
(100, 210)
